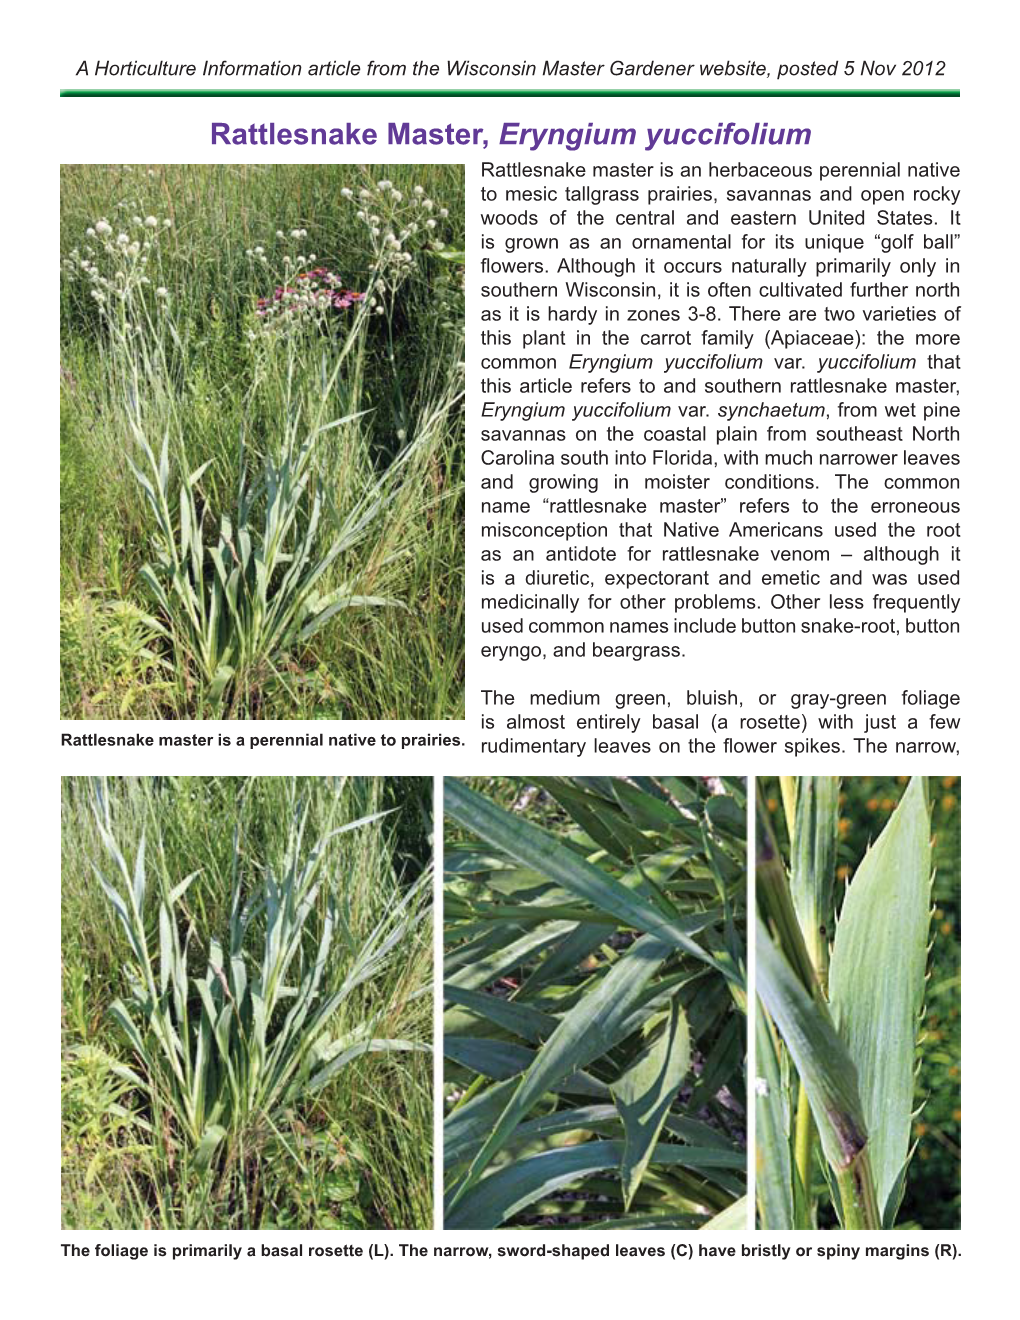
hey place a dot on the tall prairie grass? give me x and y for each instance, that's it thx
(261, 470)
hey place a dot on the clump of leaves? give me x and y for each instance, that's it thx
(110, 659)
(335, 1190)
(595, 1005)
(840, 1003)
(262, 1026)
(241, 592)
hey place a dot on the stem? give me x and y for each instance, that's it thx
(788, 790)
(770, 876)
(818, 952)
(470, 1093)
(804, 1143)
(857, 1194)
(401, 406)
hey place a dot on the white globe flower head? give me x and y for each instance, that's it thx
(167, 223)
(258, 251)
(346, 192)
(419, 191)
(151, 222)
(280, 234)
(90, 232)
(430, 224)
(249, 252)
(443, 212)
(397, 196)
(428, 203)
(401, 435)
(122, 240)
(384, 185)
(162, 293)
(136, 219)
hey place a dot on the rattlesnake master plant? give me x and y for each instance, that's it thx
(241, 593)
(594, 1024)
(840, 1003)
(229, 1031)
(262, 440)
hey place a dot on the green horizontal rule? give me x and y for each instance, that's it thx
(352, 92)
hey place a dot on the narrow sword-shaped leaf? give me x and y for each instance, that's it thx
(825, 1067)
(813, 869)
(773, 1153)
(503, 1059)
(644, 1094)
(876, 982)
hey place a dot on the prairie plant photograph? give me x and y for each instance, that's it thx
(595, 1003)
(246, 1021)
(858, 1120)
(262, 442)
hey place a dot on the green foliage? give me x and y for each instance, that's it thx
(823, 1062)
(877, 981)
(868, 982)
(241, 1041)
(240, 603)
(110, 658)
(338, 1193)
(813, 865)
(163, 351)
(932, 1196)
(594, 1025)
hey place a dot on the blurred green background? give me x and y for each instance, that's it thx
(932, 1198)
